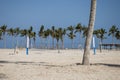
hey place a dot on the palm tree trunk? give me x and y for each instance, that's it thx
(4, 41)
(12, 41)
(58, 47)
(86, 56)
(16, 42)
(100, 44)
(29, 43)
(34, 44)
(113, 39)
(53, 43)
(72, 44)
(80, 39)
(48, 43)
(62, 44)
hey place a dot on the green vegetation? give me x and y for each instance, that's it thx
(57, 34)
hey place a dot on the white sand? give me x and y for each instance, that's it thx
(51, 65)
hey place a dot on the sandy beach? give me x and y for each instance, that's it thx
(51, 65)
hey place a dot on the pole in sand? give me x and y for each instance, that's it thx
(27, 45)
(94, 45)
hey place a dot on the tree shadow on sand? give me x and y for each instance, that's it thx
(32, 63)
(22, 62)
(48, 64)
(105, 64)
(2, 76)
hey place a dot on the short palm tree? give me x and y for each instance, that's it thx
(71, 34)
(85, 30)
(11, 32)
(52, 33)
(26, 33)
(57, 37)
(4, 30)
(23, 33)
(63, 33)
(0, 34)
(112, 31)
(30, 35)
(45, 36)
(16, 33)
(34, 38)
(40, 33)
(79, 29)
(100, 34)
(117, 35)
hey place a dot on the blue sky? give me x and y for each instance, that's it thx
(60, 13)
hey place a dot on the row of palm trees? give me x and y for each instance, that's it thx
(15, 33)
(56, 33)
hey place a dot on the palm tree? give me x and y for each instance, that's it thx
(58, 35)
(100, 34)
(30, 34)
(47, 34)
(52, 33)
(112, 31)
(85, 30)
(0, 34)
(4, 30)
(11, 33)
(16, 33)
(23, 33)
(71, 34)
(63, 33)
(79, 29)
(117, 35)
(86, 56)
(34, 38)
(41, 32)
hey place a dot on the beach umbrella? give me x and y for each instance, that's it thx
(27, 45)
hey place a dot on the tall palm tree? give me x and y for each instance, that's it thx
(40, 33)
(96, 33)
(16, 33)
(23, 33)
(63, 33)
(71, 35)
(52, 33)
(4, 30)
(85, 30)
(79, 29)
(112, 31)
(100, 34)
(30, 35)
(34, 38)
(47, 34)
(58, 35)
(86, 56)
(10, 32)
